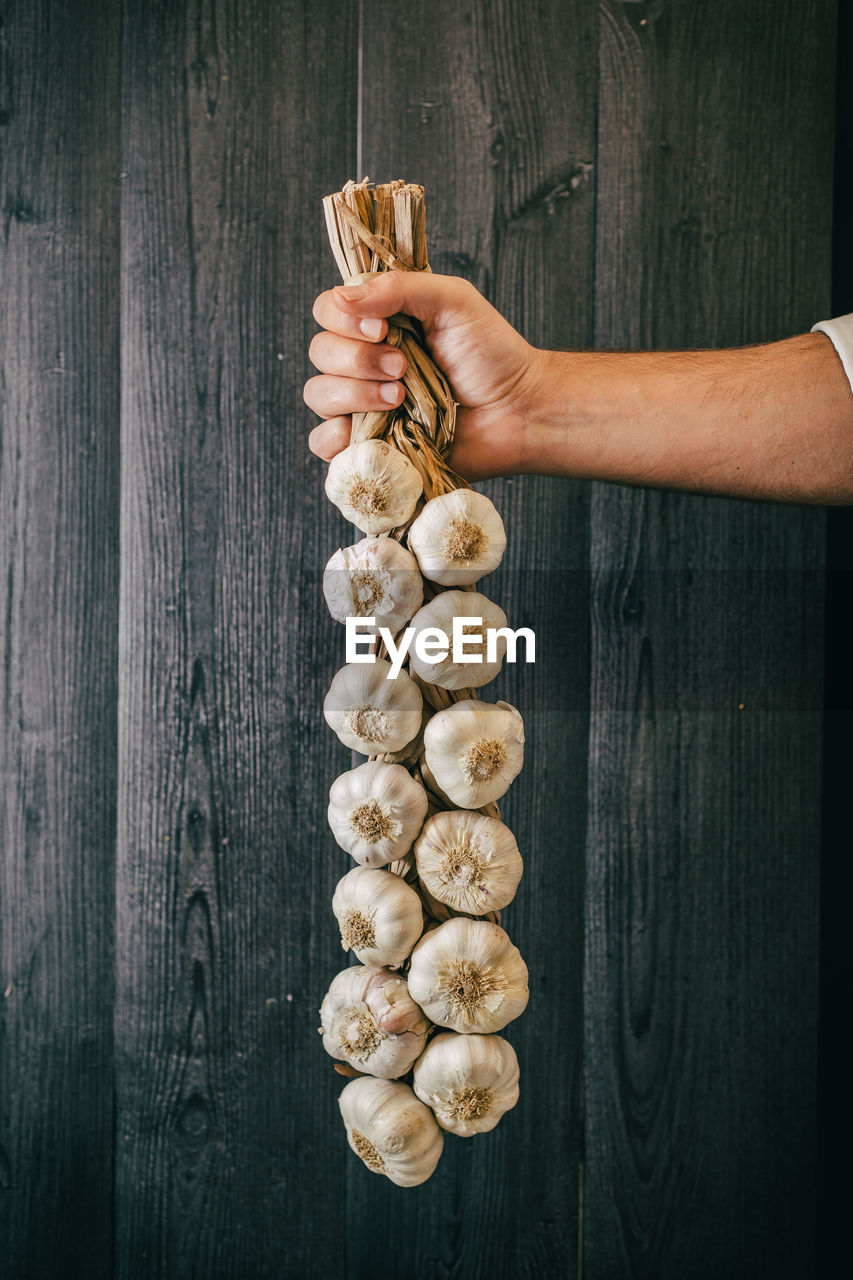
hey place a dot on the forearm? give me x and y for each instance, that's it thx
(772, 421)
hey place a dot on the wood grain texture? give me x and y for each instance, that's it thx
(713, 228)
(491, 107)
(651, 174)
(228, 1159)
(835, 1103)
(59, 399)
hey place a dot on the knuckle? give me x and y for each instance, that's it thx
(466, 290)
(361, 359)
(390, 287)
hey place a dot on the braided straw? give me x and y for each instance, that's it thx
(383, 229)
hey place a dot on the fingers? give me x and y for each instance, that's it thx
(356, 375)
(329, 316)
(328, 438)
(472, 455)
(332, 396)
(351, 310)
(348, 357)
(358, 371)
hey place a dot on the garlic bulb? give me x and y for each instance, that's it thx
(458, 537)
(468, 861)
(371, 713)
(374, 485)
(391, 1130)
(370, 1020)
(379, 915)
(474, 750)
(440, 613)
(374, 578)
(375, 812)
(468, 976)
(468, 1081)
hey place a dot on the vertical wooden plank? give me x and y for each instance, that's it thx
(59, 393)
(491, 107)
(835, 1104)
(228, 1155)
(714, 166)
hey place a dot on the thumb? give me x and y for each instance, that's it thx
(437, 301)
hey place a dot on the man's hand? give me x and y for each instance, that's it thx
(773, 421)
(494, 374)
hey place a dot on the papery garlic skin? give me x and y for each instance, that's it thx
(467, 861)
(379, 915)
(375, 812)
(468, 976)
(468, 1081)
(371, 713)
(404, 867)
(374, 485)
(391, 1130)
(370, 1020)
(474, 750)
(440, 613)
(458, 537)
(375, 578)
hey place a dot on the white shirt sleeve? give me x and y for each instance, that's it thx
(840, 333)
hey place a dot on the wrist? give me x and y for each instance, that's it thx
(535, 429)
(553, 414)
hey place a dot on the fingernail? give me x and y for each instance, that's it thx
(392, 363)
(371, 328)
(352, 292)
(390, 392)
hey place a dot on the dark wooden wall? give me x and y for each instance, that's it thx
(651, 173)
